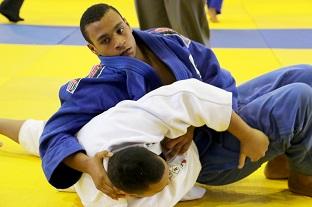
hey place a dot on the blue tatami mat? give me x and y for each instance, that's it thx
(238, 38)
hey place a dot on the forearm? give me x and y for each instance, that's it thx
(239, 128)
(78, 161)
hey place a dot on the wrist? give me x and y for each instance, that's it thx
(87, 163)
(246, 133)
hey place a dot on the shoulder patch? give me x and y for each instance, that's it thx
(167, 31)
(96, 71)
(72, 85)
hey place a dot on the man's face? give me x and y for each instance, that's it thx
(111, 36)
(156, 187)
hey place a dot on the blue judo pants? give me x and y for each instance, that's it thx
(217, 4)
(280, 105)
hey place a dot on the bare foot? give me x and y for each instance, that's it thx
(213, 15)
(277, 168)
(300, 184)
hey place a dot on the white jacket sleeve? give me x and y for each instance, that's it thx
(189, 102)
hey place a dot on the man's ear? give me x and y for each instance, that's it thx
(93, 49)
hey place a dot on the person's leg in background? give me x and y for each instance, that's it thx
(11, 9)
(185, 17)
(214, 9)
(151, 14)
(189, 19)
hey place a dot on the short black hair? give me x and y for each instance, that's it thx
(93, 14)
(133, 169)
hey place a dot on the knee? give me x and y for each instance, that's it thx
(304, 70)
(301, 67)
(301, 93)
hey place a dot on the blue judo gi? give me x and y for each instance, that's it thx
(124, 78)
(217, 4)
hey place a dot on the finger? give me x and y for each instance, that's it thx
(172, 151)
(241, 163)
(109, 193)
(106, 188)
(118, 191)
(184, 148)
(170, 154)
(254, 159)
(121, 195)
(173, 142)
(182, 143)
(113, 196)
(108, 184)
(257, 157)
(170, 144)
(104, 154)
(107, 154)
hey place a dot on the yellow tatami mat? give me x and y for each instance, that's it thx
(30, 76)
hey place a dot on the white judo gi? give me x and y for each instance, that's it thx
(165, 112)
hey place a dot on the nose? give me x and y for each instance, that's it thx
(120, 43)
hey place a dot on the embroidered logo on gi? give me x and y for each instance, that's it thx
(72, 85)
(176, 169)
(96, 71)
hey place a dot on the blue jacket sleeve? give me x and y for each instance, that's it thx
(58, 141)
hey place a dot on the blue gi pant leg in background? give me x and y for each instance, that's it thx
(217, 4)
(281, 107)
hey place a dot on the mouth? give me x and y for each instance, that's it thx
(126, 52)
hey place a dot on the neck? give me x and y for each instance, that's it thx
(142, 52)
(139, 54)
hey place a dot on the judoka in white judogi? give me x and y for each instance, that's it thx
(165, 112)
